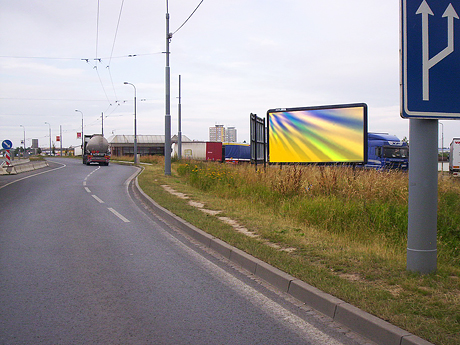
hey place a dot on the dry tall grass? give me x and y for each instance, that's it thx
(366, 206)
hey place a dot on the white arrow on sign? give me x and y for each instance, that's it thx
(427, 63)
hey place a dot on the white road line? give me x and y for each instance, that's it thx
(87, 189)
(273, 309)
(43, 172)
(118, 215)
(97, 198)
(84, 183)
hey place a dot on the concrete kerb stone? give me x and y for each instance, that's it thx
(369, 325)
(244, 260)
(358, 321)
(273, 276)
(315, 298)
(221, 247)
(414, 340)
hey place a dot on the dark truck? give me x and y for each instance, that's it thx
(96, 150)
(387, 152)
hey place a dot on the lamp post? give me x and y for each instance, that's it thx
(179, 139)
(46, 123)
(82, 137)
(167, 100)
(135, 124)
(24, 151)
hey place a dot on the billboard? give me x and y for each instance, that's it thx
(324, 134)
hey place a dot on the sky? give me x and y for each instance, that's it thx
(235, 57)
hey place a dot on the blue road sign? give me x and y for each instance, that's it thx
(430, 59)
(7, 144)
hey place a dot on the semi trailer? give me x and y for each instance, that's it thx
(96, 150)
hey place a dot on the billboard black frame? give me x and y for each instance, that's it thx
(323, 107)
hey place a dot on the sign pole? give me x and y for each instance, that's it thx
(423, 196)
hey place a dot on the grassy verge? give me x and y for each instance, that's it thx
(348, 229)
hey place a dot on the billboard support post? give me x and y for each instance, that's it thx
(423, 196)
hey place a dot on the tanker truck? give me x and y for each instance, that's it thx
(96, 150)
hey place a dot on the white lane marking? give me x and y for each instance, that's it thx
(97, 198)
(118, 215)
(271, 308)
(87, 189)
(86, 178)
(43, 172)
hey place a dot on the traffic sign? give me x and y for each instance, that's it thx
(430, 59)
(7, 144)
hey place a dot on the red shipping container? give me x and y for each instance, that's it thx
(213, 151)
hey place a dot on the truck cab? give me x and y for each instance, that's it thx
(387, 152)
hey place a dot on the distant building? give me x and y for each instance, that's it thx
(221, 134)
(123, 145)
(230, 135)
(217, 133)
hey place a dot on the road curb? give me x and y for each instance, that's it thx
(361, 322)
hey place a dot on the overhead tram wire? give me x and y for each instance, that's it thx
(116, 31)
(190, 16)
(76, 58)
(113, 47)
(97, 31)
(96, 59)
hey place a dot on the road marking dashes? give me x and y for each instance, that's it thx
(125, 220)
(118, 215)
(97, 198)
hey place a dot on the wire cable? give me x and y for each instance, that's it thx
(75, 58)
(190, 16)
(102, 84)
(113, 47)
(116, 31)
(97, 30)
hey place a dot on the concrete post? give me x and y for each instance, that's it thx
(423, 196)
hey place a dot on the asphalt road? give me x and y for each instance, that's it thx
(82, 263)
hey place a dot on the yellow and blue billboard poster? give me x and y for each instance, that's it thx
(325, 134)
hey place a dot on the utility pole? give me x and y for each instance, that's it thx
(167, 100)
(60, 137)
(135, 123)
(82, 136)
(24, 151)
(102, 124)
(179, 139)
(46, 123)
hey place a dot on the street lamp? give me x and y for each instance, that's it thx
(23, 152)
(135, 125)
(82, 137)
(46, 123)
(167, 99)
